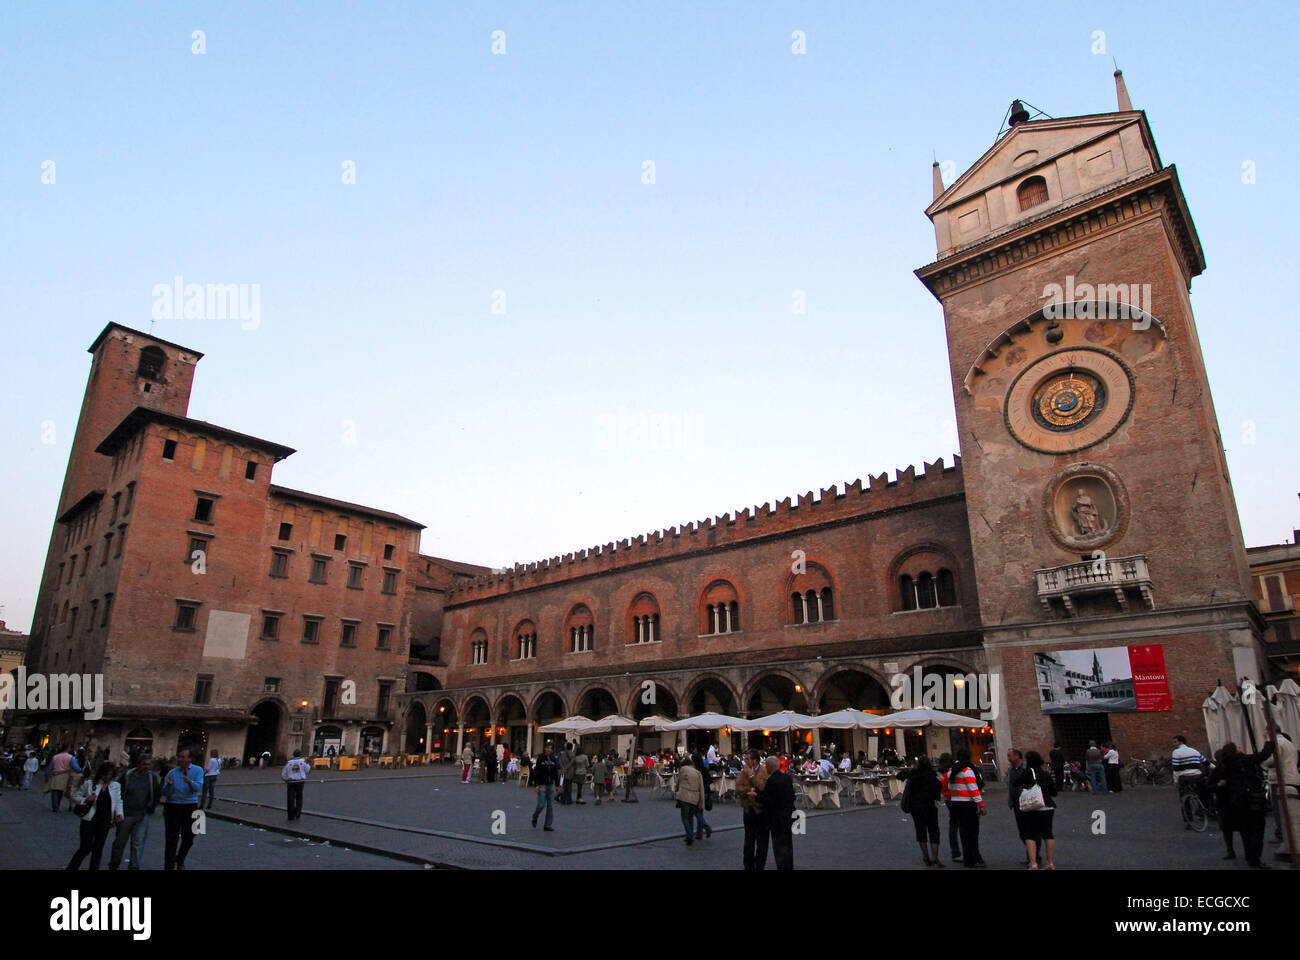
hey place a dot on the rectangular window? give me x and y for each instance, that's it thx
(349, 635)
(203, 510)
(390, 582)
(85, 561)
(121, 539)
(90, 620)
(317, 570)
(310, 629)
(198, 550)
(108, 606)
(130, 498)
(72, 567)
(72, 624)
(286, 531)
(354, 576)
(340, 542)
(270, 626)
(271, 685)
(331, 698)
(117, 502)
(250, 470)
(108, 547)
(385, 633)
(388, 551)
(185, 613)
(385, 693)
(169, 449)
(203, 688)
(279, 564)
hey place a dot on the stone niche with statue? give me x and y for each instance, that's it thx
(1086, 506)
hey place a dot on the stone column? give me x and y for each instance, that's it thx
(428, 737)
(460, 737)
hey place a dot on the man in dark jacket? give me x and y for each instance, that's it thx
(1057, 760)
(141, 791)
(545, 775)
(752, 779)
(777, 798)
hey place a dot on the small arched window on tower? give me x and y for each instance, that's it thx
(1032, 192)
(947, 589)
(152, 361)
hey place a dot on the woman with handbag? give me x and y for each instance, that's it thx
(1247, 797)
(921, 798)
(1036, 809)
(99, 804)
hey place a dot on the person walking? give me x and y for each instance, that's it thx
(1056, 757)
(501, 761)
(99, 801)
(1247, 797)
(578, 771)
(777, 798)
(467, 759)
(294, 775)
(599, 773)
(181, 790)
(954, 832)
(749, 784)
(490, 762)
(968, 805)
(564, 763)
(211, 770)
(544, 775)
(1220, 790)
(1016, 768)
(923, 792)
(1096, 769)
(1111, 760)
(1036, 824)
(690, 799)
(141, 789)
(63, 765)
(706, 774)
(30, 766)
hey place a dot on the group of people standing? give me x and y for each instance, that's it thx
(959, 785)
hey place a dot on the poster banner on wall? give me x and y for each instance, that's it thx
(1103, 680)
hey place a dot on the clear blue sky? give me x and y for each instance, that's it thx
(522, 173)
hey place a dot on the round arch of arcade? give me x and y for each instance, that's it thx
(638, 708)
(754, 685)
(828, 678)
(596, 687)
(696, 686)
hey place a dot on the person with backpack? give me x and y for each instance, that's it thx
(294, 776)
(921, 798)
(1247, 797)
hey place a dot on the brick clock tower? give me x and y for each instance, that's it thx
(1112, 578)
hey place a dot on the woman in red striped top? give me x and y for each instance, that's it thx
(961, 785)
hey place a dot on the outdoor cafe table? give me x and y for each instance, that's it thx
(870, 789)
(385, 761)
(319, 762)
(819, 790)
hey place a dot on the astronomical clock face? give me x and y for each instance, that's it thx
(1069, 400)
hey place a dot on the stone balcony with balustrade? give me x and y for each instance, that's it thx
(1116, 576)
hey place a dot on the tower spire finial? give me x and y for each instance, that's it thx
(1121, 91)
(937, 178)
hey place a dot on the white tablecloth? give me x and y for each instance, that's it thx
(818, 791)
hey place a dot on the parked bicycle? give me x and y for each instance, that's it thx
(1196, 801)
(1159, 771)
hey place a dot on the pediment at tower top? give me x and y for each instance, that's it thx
(1038, 167)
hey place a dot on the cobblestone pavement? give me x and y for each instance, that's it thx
(426, 815)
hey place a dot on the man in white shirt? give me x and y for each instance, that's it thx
(846, 764)
(1111, 759)
(294, 775)
(712, 756)
(211, 770)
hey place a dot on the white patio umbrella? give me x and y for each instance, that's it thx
(1218, 727)
(612, 722)
(1254, 721)
(704, 721)
(1286, 708)
(924, 717)
(574, 724)
(847, 719)
(656, 722)
(781, 720)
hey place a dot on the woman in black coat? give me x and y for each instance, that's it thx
(923, 795)
(1037, 824)
(1247, 797)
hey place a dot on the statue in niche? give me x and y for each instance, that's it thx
(1087, 518)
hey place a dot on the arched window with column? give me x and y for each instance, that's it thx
(579, 630)
(719, 609)
(812, 596)
(478, 646)
(525, 641)
(643, 619)
(923, 578)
